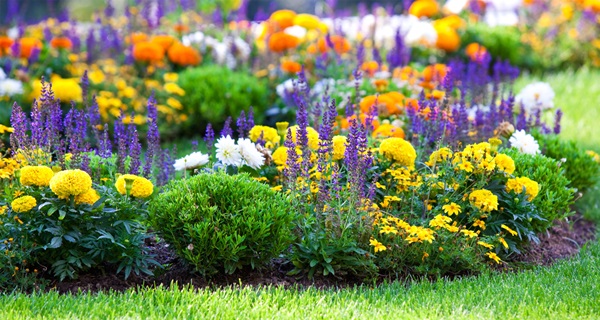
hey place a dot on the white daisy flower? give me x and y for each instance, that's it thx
(191, 161)
(228, 152)
(524, 142)
(252, 157)
(536, 96)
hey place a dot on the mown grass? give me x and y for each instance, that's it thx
(567, 290)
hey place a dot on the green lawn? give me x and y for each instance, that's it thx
(567, 290)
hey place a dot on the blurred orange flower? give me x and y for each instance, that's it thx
(26, 46)
(61, 43)
(183, 55)
(279, 42)
(148, 52)
(291, 66)
(340, 44)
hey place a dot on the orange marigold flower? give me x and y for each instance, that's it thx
(435, 72)
(424, 8)
(340, 44)
(181, 28)
(386, 104)
(448, 39)
(5, 44)
(291, 66)
(370, 67)
(148, 52)
(279, 42)
(26, 46)
(387, 130)
(163, 40)
(61, 43)
(475, 51)
(137, 37)
(282, 18)
(183, 55)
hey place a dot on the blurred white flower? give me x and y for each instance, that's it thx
(455, 6)
(10, 87)
(251, 156)
(536, 96)
(191, 161)
(524, 142)
(228, 152)
(502, 12)
(296, 31)
(286, 88)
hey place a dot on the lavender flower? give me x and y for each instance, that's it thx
(227, 128)
(241, 124)
(557, 118)
(209, 138)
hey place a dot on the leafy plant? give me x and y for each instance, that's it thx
(222, 223)
(214, 93)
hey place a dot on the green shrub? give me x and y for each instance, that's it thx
(214, 93)
(556, 194)
(218, 222)
(580, 168)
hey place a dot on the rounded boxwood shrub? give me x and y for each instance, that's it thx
(218, 222)
(556, 194)
(213, 93)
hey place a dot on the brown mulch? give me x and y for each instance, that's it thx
(561, 241)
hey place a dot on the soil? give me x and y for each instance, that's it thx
(561, 241)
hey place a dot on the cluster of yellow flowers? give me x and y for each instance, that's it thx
(70, 183)
(38, 176)
(23, 204)
(521, 184)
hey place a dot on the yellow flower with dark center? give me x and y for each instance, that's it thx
(140, 186)
(469, 233)
(70, 183)
(23, 204)
(479, 223)
(493, 256)
(378, 246)
(388, 229)
(38, 176)
(452, 208)
(399, 151)
(466, 166)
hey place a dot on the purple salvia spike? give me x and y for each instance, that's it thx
(227, 128)
(135, 152)
(250, 119)
(20, 124)
(557, 118)
(241, 124)
(209, 138)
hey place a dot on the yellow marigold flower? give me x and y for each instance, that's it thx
(439, 221)
(504, 163)
(280, 156)
(484, 199)
(517, 185)
(485, 244)
(339, 147)
(277, 188)
(70, 183)
(23, 204)
(3, 210)
(378, 246)
(88, 197)
(511, 231)
(38, 176)
(398, 150)
(388, 229)
(268, 134)
(494, 257)
(312, 134)
(503, 242)
(479, 223)
(469, 233)
(140, 186)
(452, 208)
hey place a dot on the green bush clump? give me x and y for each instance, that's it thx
(218, 222)
(580, 168)
(214, 93)
(556, 194)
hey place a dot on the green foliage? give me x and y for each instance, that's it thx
(70, 238)
(214, 93)
(502, 42)
(556, 195)
(580, 168)
(218, 222)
